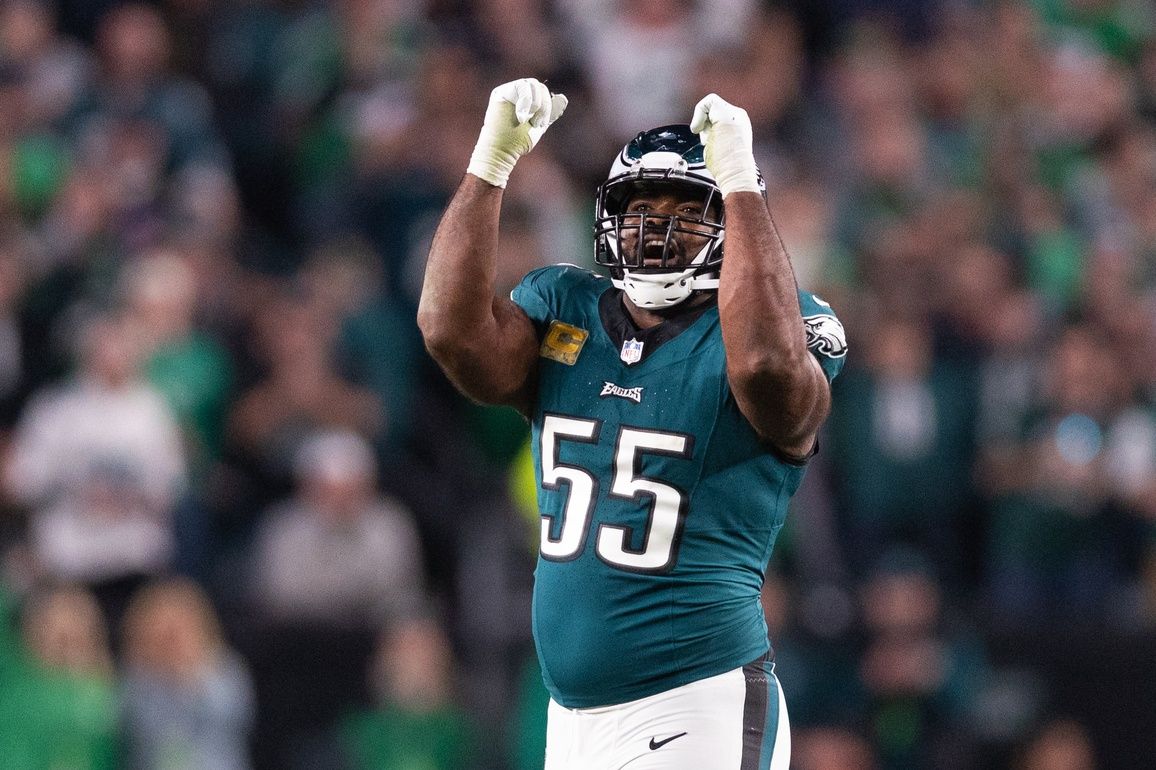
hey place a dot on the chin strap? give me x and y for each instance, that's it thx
(703, 283)
(662, 290)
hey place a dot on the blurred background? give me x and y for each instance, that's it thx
(246, 523)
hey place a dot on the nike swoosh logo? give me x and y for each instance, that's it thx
(659, 744)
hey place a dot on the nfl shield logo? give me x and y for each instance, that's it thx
(631, 351)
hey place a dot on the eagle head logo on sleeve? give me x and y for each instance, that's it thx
(826, 335)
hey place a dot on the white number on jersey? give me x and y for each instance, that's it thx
(667, 503)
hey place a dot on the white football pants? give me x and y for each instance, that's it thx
(733, 721)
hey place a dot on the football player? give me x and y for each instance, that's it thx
(674, 406)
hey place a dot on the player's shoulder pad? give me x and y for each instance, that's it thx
(542, 291)
(562, 275)
(826, 337)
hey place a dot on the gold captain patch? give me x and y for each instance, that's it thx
(563, 343)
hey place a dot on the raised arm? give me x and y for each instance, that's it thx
(486, 344)
(779, 385)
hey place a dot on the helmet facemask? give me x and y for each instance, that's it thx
(641, 250)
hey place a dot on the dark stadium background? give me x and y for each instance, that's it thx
(245, 522)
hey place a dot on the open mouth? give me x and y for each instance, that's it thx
(653, 250)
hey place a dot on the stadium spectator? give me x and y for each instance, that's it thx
(191, 368)
(299, 390)
(134, 84)
(58, 702)
(833, 748)
(906, 416)
(13, 279)
(337, 552)
(333, 566)
(922, 670)
(1060, 744)
(981, 174)
(416, 720)
(1056, 547)
(98, 464)
(186, 698)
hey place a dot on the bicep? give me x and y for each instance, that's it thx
(517, 353)
(495, 364)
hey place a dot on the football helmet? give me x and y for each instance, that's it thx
(665, 159)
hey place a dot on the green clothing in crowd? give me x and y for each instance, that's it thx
(51, 720)
(394, 739)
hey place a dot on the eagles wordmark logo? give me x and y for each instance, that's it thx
(610, 389)
(826, 334)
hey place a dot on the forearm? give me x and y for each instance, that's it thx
(779, 386)
(758, 296)
(758, 299)
(482, 342)
(486, 344)
(461, 269)
(778, 383)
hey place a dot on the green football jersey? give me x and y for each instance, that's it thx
(659, 503)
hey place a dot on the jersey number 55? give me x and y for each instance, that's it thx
(666, 502)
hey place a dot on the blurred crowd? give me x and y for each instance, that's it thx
(246, 523)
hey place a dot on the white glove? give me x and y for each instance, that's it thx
(519, 113)
(726, 135)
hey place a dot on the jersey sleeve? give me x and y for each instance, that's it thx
(542, 292)
(532, 295)
(826, 338)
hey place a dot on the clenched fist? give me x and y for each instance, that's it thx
(518, 114)
(725, 131)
